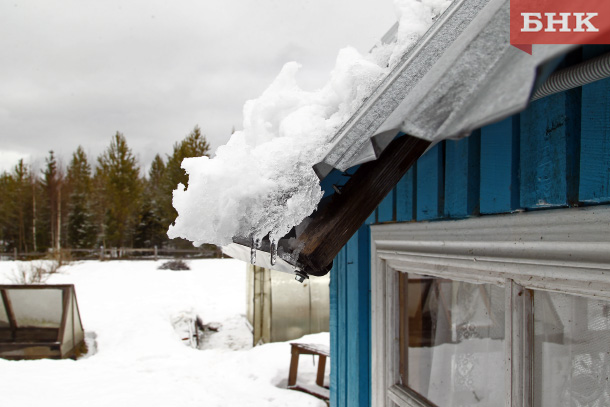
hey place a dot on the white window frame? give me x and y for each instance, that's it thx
(559, 250)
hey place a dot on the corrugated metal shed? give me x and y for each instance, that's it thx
(279, 310)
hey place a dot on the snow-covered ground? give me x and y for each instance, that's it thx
(127, 308)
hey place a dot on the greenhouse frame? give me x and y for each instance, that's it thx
(40, 321)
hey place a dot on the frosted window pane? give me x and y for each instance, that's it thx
(452, 341)
(38, 308)
(571, 351)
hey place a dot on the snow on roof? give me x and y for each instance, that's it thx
(262, 182)
(462, 75)
(446, 74)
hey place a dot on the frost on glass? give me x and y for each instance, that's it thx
(451, 338)
(262, 181)
(571, 351)
(36, 308)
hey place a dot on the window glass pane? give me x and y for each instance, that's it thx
(40, 308)
(452, 341)
(571, 351)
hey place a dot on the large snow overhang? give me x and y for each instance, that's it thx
(462, 74)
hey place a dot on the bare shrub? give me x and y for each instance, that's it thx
(34, 272)
(62, 257)
(176, 264)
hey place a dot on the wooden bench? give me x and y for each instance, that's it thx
(298, 349)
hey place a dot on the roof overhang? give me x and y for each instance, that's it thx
(462, 74)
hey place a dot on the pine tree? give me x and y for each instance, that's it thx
(81, 229)
(16, 209)
(51, 205)
(118, 176)
(23, 200)
(5, 204)
(150, 230)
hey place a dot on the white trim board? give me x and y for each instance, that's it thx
(565, 250)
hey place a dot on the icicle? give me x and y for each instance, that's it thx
(253, 251)
(273, 252)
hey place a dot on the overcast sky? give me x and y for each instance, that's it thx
(76, 71)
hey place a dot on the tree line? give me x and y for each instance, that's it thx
(87, 205)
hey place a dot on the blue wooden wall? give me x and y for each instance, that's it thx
(554, 154)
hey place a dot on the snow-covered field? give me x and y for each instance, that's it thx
(127, 308)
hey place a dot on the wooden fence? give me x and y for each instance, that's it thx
(116, 253)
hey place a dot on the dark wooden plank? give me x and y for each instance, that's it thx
(335, 223)
(294, 365)
(499, 166)
(10, 313)
(31, 335)
(462, 176)
(311, 349)
(34, 286)
(595, 148)
(321, 370)
(405, 196)
(430, 183)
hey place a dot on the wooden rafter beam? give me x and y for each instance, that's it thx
(334, 224)
(8, 307)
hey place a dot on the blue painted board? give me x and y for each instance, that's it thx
(385, 209)
(499, 166)
(405, 196)
(364, 305)
(573, 139)
(334, 328)
(341, 359)
(430, 183)
(594, 50)
(352, 328)
(595, 148)
(358, 323)
(543, 153)
(372, 218)
(462, 176)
